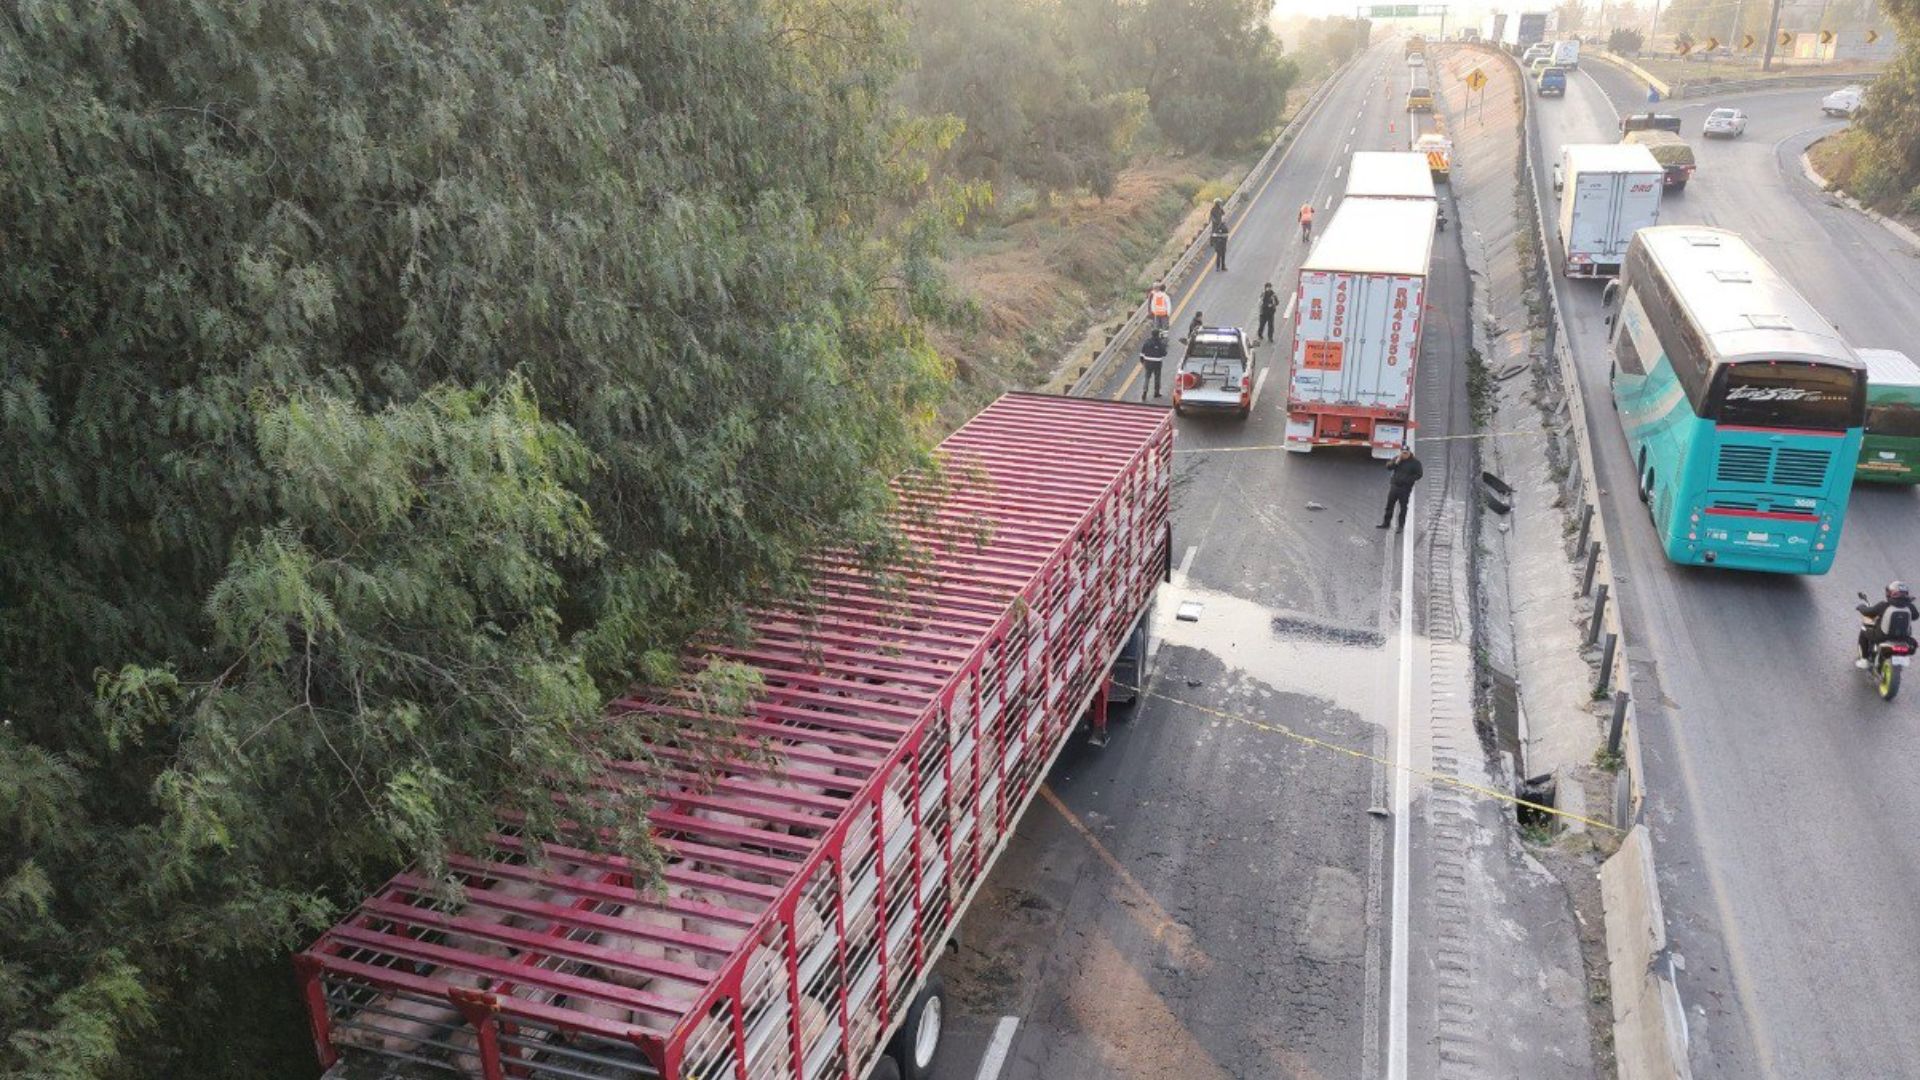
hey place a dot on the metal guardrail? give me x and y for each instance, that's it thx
(1784, 82)
(1580, 488)
(1650, 1034)
(1122, 343)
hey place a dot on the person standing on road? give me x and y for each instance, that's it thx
(1306, 222)
(1160, 306)
(1152, 355)
(1269, 307)
(1217, 216)
(1193, 328)
(1404, 472)
(1220, 246)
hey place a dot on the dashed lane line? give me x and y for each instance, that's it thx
(996, 1057)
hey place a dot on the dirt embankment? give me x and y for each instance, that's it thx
(1836, 159)
(1036, 284)
(1047, 286)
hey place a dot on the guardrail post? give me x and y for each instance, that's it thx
(1606, 664)
(1599, 613)
(1593, 563)
(1619, 724)
(1586, 525)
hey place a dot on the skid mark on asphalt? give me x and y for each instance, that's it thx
(1141, 907)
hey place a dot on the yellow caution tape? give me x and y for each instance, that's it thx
(1453, 781)
(1417, 441)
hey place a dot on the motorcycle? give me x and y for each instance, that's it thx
(1890, 657)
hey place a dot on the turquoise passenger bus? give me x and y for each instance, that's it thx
(1741, 405)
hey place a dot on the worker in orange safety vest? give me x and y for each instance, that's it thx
(1160, 306)
(1306, 221)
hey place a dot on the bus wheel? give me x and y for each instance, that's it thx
(917, 1043)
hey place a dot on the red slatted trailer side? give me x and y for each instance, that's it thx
(804, 903)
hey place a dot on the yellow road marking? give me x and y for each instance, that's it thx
(1451, 781)
(1422, 440)
(1143, 908)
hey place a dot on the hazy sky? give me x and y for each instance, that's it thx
(1286, 8)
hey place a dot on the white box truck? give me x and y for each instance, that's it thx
(1608, 190)
(1566, 53)
(1356, 331)
(1389, 174)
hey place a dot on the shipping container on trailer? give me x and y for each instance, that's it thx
(1386, 174)
(805, 900)
(1609, 191)
(1356, 332)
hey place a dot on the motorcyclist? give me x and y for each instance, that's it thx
(1892, 619)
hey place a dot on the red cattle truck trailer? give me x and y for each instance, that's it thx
(1356, 330)
(804, 900)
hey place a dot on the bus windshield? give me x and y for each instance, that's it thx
(1788, 394)
(1897, 418)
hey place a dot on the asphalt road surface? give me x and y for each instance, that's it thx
(1216, 892)
(1781, 794)
(1208, 896)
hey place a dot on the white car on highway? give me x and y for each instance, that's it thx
(1728, 123)
(1843, 102)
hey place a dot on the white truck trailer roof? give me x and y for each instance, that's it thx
(1889, 367)
(1382, 174)
(1377, 236)
(1609, 157)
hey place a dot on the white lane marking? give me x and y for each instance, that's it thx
(1598, 89)
(1347, 149)
(1186, 563)
(1292, 302)
(1336, 171)
(996, 1058)
(1354, 130)
(1329, 204)
(1402, 812)
(1258, 385)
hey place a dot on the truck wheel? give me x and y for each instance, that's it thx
(885, 1069)
(917, 1044)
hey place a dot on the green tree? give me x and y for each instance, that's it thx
(1215, 77)
(1889, 122)
(382, 386)
(1570, 17)
(1033, 109)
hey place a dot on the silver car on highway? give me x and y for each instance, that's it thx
(1725, 123)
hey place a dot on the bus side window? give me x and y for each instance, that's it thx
(1625, 355)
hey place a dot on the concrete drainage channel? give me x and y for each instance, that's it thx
(1519, 327)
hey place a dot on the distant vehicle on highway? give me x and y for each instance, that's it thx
(1673, 154)
(1890, 447)
(1566, 53)
(1535, 52)
(1419, 98)
(1613, 191)
(1725, 123)
(1216, 373)
(1844, 101)
(1439, 151)
(1649, 122)
(1741, 405)
(1538, 65)
(1552, 82)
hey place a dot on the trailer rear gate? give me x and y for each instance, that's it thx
(804, 904)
